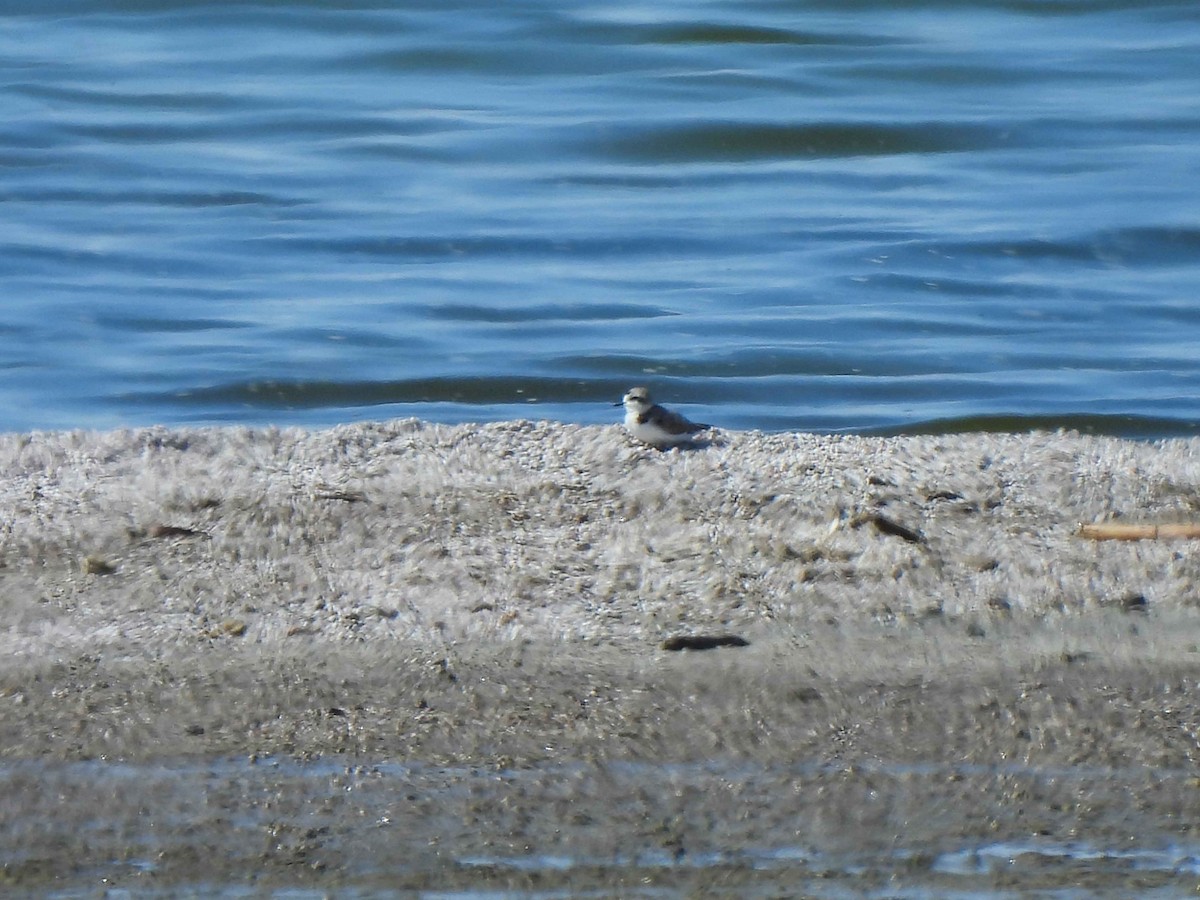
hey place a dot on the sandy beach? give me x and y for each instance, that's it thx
(398, 656)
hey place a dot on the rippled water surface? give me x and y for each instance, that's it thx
(857, 215)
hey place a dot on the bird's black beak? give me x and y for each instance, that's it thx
(619, 403)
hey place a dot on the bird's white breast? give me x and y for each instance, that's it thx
(649, 433)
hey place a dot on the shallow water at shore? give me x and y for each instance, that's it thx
(589, 829)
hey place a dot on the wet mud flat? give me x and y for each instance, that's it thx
(824, 765)
(408, 660)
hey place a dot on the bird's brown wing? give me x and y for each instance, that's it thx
(671, 422)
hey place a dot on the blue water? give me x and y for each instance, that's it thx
(861, 215)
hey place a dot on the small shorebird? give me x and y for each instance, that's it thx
(652, 424)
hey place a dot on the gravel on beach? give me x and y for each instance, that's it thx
(916, 617)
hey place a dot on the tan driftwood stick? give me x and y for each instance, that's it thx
(1111, 532)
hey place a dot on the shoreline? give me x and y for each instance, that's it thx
(533, 530)
(172, 549)
(921, 620)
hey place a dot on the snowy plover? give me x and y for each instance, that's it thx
(653, 425)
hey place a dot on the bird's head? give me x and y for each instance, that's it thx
(636, 400)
